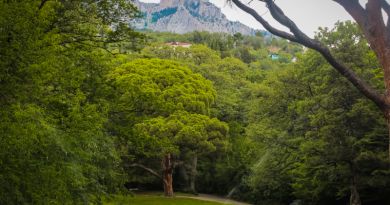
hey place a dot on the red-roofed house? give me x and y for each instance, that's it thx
(181, 44)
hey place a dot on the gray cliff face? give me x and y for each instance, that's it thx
(183, 16)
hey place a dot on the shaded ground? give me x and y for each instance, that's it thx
(204, 197)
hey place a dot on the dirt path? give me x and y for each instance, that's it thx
(207, 197)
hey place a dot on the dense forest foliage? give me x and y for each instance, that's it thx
(91, 108)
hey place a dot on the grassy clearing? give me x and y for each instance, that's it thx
(155, 200)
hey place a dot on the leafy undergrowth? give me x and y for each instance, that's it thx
(155, 200)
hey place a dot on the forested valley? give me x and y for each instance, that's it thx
(92, 109)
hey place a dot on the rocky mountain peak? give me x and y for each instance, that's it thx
(170, 3)
(182, 16)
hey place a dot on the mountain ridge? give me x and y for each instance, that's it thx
(184, 16)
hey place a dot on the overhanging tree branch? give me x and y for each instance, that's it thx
(301, 38)
(263, 22)
(147, 169)
(279, 15)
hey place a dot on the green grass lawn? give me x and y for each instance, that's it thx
(155, 200)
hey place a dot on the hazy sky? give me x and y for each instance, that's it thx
(307, 14)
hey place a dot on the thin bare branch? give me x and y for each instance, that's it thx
(385, 6)
(146, 169)
(263, 22)
(279, 15)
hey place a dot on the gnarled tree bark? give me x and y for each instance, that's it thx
(167, 168)
(167, 173)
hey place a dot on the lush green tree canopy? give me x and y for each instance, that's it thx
(54, 145)
(88, 105)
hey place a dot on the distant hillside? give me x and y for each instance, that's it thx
(183, 16)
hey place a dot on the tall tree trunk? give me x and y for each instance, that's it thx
(384, 59)
(355, 198)
(167, 168)
(388, 128)
(193, 173)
